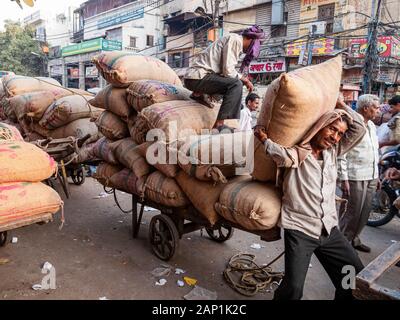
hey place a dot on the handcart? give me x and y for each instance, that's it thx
(62, 150)
(167, 228)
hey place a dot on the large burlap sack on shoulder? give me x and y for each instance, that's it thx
(122, 68)
(158, 155)
(111, 126)
(102, 150)
(165, 191)
(217, 157)
(203, 195)
(22, 161)
(251, 204)
(175, 119)
(9, 132)
(144, 93)
(78, 128)
(34, 104)
(292, 105)
(25, 200)
(127, 181)
(67, 109)
(127, 153)
(105, 171)
(16, 85)
(114, 100)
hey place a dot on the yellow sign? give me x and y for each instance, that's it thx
(321, 47)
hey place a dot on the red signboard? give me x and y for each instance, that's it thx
(268, 66)
(358, 47)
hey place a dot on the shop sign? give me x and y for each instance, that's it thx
(388, 76)
(92, 72)
(387, 47)
(268, 66)
(91, 45)
(56, 71)
(120, 18)
(321, 47)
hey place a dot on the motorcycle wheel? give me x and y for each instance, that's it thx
(382, 209)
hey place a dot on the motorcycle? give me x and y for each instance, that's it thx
(383, 209)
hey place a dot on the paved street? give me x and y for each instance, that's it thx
(95, 256)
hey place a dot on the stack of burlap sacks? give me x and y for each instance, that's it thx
(23, 197)
(41, 108)
(145, 94)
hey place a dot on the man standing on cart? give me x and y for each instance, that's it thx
(308, 215)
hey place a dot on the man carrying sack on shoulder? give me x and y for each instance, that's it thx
(308, 214)
(213, 71)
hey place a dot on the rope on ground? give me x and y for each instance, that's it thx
(248, 278)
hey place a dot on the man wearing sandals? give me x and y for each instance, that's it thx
(308, 214)
(213, 71)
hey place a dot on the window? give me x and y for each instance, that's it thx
(132, 42)
(280, 30)
(179, 59)
(150, 41)
(327, 13)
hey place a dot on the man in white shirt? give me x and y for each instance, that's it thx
(252, 102)
(213, 71)
(358, 173)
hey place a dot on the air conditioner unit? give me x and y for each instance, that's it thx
(318, 27)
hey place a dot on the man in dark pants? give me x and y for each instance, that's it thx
(308, 213)
(213, 71)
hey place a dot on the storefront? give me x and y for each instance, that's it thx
(75, 70)
(266, 70)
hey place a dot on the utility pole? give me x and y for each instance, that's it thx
(371, 55)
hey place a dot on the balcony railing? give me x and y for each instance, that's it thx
(77, 36)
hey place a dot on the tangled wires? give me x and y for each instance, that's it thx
(247, 278)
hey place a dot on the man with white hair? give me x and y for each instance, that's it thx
(358, 173)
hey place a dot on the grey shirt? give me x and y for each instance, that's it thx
(308, 203)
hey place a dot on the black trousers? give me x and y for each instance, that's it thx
(230, 88)
(333, 251)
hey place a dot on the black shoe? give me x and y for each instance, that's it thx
(362, 247)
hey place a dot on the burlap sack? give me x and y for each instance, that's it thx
(22, 161)
(104, 172)
(144, 93)
(9, 132)
(33, 136)
(102, 150)
(26, 200)
(127, 154)
(114, 100)
(68, 109)
(151, 151)
(165, 191)
(175, 119)
(8, 110)
(30, 126)
(217, 157)
(85, 153)
(16, 85)
(122, 68)
(203, 195)
(127, 181)
(111, 126)
(253, 205)
(292, 105)
(78, 128)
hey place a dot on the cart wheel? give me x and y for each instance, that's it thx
(221, 234)
(3, 238)
(164, 236)
(78, 176)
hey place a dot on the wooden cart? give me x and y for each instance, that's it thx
(167, 228)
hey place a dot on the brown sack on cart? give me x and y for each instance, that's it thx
(127, 181)
(175, 119)
(22, 161)
(67, 109)
(9, 132)
(112, 126)
(165, 191)
(292, 105)
(105, 171)
(253, 205)
(78, 128)
(127, 153)
(21, 201)
(203, 195)
(144, 93)
(114, 100)
(122, 68)
(16, 85)
(102, 150)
